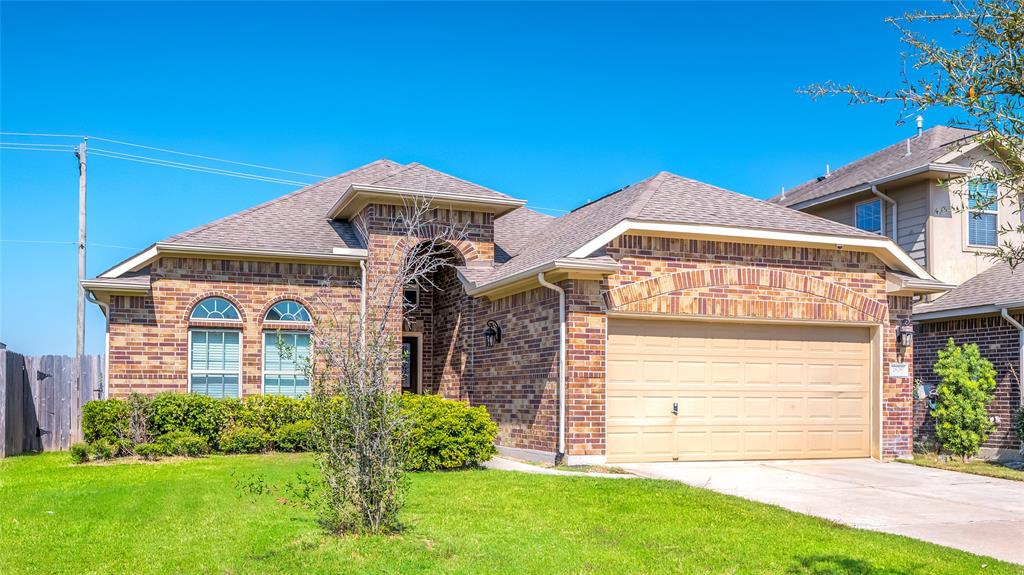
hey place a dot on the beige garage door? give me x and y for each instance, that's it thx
(740, 391)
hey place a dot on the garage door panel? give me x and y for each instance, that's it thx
(744, 391)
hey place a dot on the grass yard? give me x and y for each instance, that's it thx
(976, 467)
(187, 517)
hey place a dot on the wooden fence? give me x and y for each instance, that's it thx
(41, 399)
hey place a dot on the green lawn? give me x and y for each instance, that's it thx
(187, 517)
(975, 466)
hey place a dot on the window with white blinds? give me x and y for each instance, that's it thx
(285, 358)
(215, 362)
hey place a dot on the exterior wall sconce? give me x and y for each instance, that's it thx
(492, 334)
(905, 334)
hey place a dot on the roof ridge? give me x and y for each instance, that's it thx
(272, 201)
(645, 197)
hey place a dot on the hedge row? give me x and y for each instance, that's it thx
(445, 434)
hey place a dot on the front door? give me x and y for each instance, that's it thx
(410, 363)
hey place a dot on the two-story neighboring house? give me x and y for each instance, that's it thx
(920, 192)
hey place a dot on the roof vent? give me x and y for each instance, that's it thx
(920, 125)
(828, 170)
(783, 195)
(908, 147)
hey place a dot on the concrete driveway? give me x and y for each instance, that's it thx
(969, 512)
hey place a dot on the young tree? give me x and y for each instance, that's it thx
(359, 430)
(976, 69)
(962, 397)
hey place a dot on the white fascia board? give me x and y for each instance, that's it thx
(937, 166)
(114, 286)
(965, 311)
(887, 250)
(354, 190)
(144, 258)
(559, 264)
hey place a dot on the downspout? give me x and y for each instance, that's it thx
(362, 303)
(874, 190)
(1020, 341)
(105, 308)
(561, 364)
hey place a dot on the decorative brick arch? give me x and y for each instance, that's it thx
(465, 249)
(863, 306)
(291, 297)
(195, 300)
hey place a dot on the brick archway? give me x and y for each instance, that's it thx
(864, 306)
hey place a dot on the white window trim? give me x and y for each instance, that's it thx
(241, 355)
(881, 215)
(227, 320)
(289, 321)
(969, 215)
(263, 357)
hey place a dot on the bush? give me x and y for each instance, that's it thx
(241, 439)
(447, 434)
(296, 436)
(962, 397)
(183, 443)
(79, 453)
(198, 414)
(101, 449)
(267, 412)
(151, 451)
(105, 419)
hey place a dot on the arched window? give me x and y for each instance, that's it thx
(287, 310)
(215, 308)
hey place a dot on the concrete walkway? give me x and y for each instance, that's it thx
(505, 464)
(969, 512)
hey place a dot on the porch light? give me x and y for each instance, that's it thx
(493, 333)
(905, 334)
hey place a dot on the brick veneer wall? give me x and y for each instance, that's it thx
(149, 334)
(998, 342)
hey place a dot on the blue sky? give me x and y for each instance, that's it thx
(554, 103)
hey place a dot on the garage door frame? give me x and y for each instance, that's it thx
(875, 343)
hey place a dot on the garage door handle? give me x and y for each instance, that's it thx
(675, 408)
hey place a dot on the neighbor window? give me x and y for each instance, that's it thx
(214, 362)
(983, 217)
(285, 358)
(869, 216)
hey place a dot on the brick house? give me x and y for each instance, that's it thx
(914, 192)
(987, 310)
(669, 320)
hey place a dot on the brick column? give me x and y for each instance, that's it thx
(586, 333)
(897, 392)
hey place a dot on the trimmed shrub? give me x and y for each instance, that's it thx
(962, 397)
(183, 443)
(241, 439)
(296, 436)
(151, 451)
(267, 412)
(447, 434)
(198, 414)
(105, 419)
(79, 453)
(101, 449)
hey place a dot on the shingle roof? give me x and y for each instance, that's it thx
(293, 222)
(664, 197)
(515, 230)
(930, 146)
(418, 177)
(998, 286)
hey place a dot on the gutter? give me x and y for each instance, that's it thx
(106, 342)
(144, 257)
(561, 364)
(560, 264)
(965, 311)
(874, 190)
(1020, 344)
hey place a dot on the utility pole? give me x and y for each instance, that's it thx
(80, 337)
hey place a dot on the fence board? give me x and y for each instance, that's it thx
(41, 400)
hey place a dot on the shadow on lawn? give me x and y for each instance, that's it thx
(841, 565)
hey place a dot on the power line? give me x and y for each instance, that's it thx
(207, 157)
(192, 167)
(42, 135)
(69, 243)
(4, 146)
